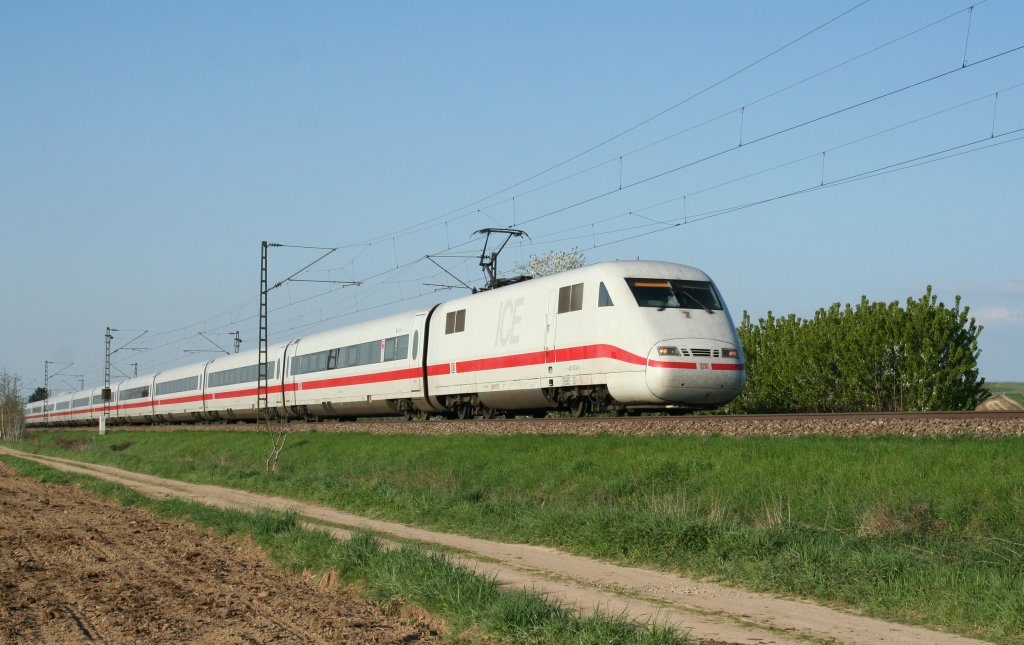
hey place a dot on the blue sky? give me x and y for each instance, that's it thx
(147, 148)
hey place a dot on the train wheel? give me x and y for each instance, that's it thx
(464, 411)
(580, 408)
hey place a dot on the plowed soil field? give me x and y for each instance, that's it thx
(74, 569)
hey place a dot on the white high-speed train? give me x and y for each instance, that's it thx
(615, 337)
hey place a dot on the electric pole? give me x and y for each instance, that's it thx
(263, 412)
(106, 383)
(46, 389)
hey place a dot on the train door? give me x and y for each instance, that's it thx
(551, 321)
(416, 383)
(288, 394)
(152, 397)
(203, 387)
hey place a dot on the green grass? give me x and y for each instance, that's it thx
(1014, 391)
(926, 531)
(470, 603)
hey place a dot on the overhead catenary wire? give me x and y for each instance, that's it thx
(740, 108)
(772, 135)
(641, 123)
(540, 240)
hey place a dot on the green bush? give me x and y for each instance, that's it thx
(875, 357)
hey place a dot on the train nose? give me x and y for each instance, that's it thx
(696, 372)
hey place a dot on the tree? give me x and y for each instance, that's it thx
(552, 262)
(12, 414)
(40, 394)
(872, 357)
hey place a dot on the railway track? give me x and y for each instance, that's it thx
(920, 424)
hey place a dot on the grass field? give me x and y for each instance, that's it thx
(926, 531)
(1014, 391)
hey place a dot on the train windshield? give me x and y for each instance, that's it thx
(675, 294)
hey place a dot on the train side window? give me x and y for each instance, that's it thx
(415, 343)
(363, 354)
(576, 299)
(563, 299)
(332, 359)
(603, 298)
(396, 348)
(455, 321)
(570, 298)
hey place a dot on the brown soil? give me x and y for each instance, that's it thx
(703, 609)
(74, 569)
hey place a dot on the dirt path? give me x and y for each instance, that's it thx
(75, 569)
(706, 610)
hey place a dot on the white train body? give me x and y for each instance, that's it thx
(616, 337)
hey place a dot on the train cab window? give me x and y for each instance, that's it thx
(455, 322)
(675, 294)
(570, 298)
(603, 298)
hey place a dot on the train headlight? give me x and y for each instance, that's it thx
(665, 350)
(731, 353)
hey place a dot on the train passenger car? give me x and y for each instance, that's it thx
(178, 394)
(96, 405)
(367, 369)
(59, 409)
(230, 385)
(133, 401)
(33, 413)
(81, 408)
